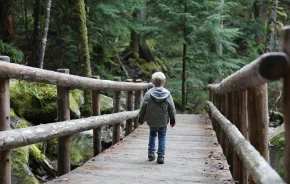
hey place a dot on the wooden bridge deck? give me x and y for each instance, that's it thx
(192, 156)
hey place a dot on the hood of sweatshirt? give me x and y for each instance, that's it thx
(159, 93)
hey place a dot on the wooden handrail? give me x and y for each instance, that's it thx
(255, 164)
(268, 67)
(25, 136)
(20, 72)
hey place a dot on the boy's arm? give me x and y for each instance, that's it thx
(171, 111)
(143, 109)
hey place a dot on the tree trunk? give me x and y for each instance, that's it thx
(184, 67)
(44, 38)
(134, 39)
(36, 34)
(84, 56)
(272, 26)
(6, 21)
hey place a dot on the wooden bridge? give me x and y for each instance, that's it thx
(230, 146)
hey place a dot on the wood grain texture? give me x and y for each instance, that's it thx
(5, 156)
(16, 71)
(192, 156)
(268, 67)
(286, 103)
(257, 167)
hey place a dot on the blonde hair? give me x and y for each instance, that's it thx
(158, 78)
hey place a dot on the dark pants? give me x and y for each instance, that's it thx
(161, 139)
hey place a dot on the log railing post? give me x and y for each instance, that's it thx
(63, 114)
(258, 119)
(116, 108)
(5, 156)
(229, 151)
(97, 132)
(129, 102)
(240, 122)
(286, 104)
(137, 103)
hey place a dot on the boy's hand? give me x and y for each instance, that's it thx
(172, 124)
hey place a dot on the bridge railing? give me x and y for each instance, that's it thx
(239, 113)
(63, 130)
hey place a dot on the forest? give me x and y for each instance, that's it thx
(194, 43)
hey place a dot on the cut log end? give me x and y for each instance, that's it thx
(274, 66)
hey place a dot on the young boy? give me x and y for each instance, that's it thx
(156, 109)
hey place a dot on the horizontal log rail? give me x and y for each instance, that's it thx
(25, 136)
(245, 96)
(268, 67)
(254, 163)
(21, 72)
(64, 129)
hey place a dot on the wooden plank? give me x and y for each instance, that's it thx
(187, 159)
(5, 156)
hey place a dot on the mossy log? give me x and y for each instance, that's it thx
(255, 164)
(39, 158)
(26, 136)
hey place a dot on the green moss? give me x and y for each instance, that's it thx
(19, 166)
(81, 149)
(106, 103)
(278, 141)
(12, 114)
(35, 152)
(37, 102)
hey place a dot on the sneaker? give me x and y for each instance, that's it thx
(151, 156)
(160, 159)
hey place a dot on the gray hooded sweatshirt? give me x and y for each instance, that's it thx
(157, 108)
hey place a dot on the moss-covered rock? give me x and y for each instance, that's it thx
(277, 139)
(106, 104)
(37, 102)
(21, 173)
(81, 148)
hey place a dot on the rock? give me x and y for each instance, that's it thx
(277, 140)
(37, 102)
(81, 149)
(21, 173)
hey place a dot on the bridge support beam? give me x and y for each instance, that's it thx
(137, 103)
(129, 106)
(97, 132)
(5, 156)
(286, 104)
(257, 105)
(116, 108)
(63, 114)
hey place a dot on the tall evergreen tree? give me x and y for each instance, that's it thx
(83, 50)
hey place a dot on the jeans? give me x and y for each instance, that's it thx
(161, 140)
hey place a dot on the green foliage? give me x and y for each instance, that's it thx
(19, 167)
(7, 49)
